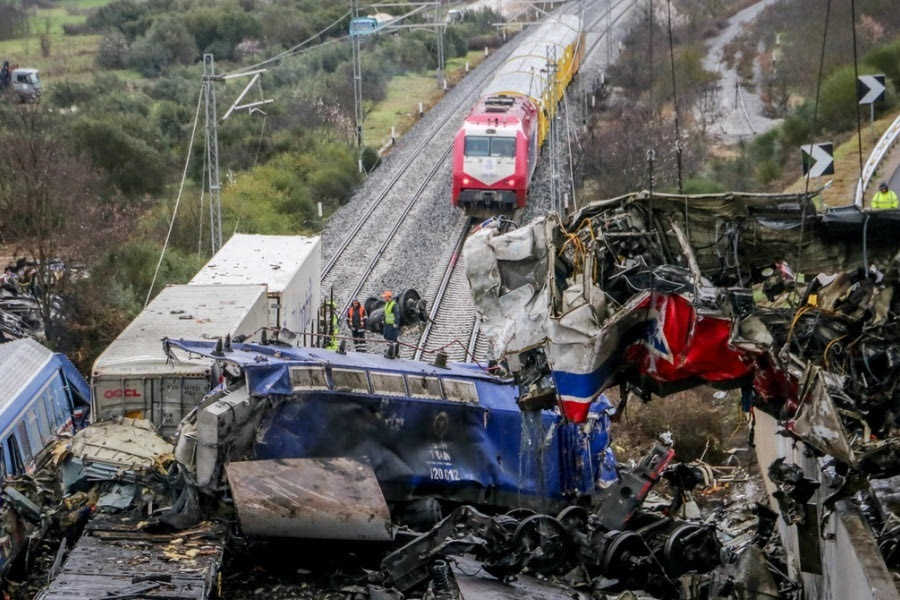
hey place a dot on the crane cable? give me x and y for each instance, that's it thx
(187, 162)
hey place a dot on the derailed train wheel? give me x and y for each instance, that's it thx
(545, 541)
(691, 547)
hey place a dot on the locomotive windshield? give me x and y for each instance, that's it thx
(482, 145)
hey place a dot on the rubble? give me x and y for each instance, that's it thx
(658, 292)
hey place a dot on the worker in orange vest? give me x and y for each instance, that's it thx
(356, 320)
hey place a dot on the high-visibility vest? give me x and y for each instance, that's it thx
(886, 199)
(389, 312)
(361, 315)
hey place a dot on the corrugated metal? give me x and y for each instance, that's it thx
(269, 259)
(180, 311)
(20, 361)
(521, 73)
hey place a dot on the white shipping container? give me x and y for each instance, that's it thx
(133, 377)
(290, 266)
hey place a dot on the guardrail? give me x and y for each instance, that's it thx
(881, 148)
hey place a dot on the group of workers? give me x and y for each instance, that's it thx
(356, 321)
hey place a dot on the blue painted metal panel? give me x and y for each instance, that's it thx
(487, 453)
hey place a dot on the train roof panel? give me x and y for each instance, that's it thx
(251, 258)
(521, 73)
(20, 362)
(265, 365)
(184, 310)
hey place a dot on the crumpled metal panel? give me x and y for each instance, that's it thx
(131, 443)
(318, 498)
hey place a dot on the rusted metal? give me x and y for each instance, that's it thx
(320, 498)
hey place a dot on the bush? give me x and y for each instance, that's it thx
(886, 59)
(112, 51)
(167, 42)
(131, 164)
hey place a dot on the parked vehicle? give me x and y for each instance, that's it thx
(133, 379)
(23, 83)
(496, 150)
(288, 265)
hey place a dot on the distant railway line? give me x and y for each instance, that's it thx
(399, 230)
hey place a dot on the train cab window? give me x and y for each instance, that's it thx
(460, 390)
(350, 380)
(478, 145)
(308, 378)
(42, 422)
(421, 386)
(388, 384)
(503, 147)
(16, 463)
(24, 443)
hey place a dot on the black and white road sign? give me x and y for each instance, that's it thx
(870, 88)
(818, 159)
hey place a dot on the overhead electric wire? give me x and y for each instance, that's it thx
(297, 48)
(187, 163)
(856, 78)
(812, 132)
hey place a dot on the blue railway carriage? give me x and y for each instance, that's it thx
(42, 394)
(451, 433)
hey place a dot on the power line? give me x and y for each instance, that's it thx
(178, 199)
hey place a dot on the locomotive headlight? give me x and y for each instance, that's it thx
(465, 181)
(511, 181)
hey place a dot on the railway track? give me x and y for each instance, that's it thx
(453, 323)
(350, 266)
(402, 235)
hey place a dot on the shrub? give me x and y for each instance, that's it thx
(112, 51)
(167, 42)
(131, 164)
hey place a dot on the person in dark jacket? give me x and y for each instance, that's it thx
(356, 320)
(391, 324)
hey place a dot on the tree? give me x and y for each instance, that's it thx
(49, 201)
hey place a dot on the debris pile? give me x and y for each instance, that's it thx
(117, 482)
(658, 293)
(20, 301)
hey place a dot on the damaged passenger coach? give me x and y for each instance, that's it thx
(409, 432)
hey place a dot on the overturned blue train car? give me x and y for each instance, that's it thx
(42, 395)
(424, 432)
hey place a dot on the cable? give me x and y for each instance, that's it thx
(187, 162)
(856, 76)
(812, 132)
(295, 49)
(675, 100)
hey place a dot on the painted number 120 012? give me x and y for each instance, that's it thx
(444, 474)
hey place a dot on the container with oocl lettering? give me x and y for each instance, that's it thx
(134, 378)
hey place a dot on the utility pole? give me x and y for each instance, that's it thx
(357, 85)
(212, 138)
(212, 153)
(555, 203)
(439, 31)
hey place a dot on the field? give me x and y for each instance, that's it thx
(401, 109)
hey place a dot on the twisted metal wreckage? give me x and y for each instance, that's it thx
(655, 294)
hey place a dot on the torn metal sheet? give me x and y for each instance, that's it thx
(127, 444)
(475, 584)
(334, 498)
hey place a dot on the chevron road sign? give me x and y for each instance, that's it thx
(870, 88)
(818, 159)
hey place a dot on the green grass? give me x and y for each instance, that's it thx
(400, 108)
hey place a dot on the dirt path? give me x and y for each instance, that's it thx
(736, 113)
